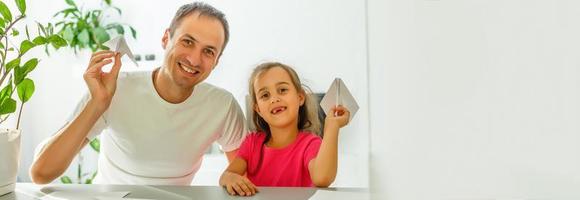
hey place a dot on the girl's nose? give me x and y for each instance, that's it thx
(275, 99)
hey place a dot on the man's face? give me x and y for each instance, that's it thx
(193, 50)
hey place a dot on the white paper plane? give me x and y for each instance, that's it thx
(338, 94)
(119, 44)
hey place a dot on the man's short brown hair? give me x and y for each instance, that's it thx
(204, 10)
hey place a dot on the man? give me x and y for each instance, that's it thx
(156, 125)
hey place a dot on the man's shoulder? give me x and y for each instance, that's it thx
(212, 91)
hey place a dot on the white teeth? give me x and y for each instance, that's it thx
(187, 69)
(277, 110)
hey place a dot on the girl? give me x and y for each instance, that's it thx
(285, 150)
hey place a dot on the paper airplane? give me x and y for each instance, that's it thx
(119, 44)
(338, 94)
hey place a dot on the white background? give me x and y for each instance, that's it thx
(463, 99)
(474, 99)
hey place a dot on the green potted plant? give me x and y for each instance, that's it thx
(88, 29)
(14, 70)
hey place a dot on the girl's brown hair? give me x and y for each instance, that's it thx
(307, 113)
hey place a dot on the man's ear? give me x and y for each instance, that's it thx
(165, 38)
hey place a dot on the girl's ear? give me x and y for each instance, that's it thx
(301, 97)
(257, 109)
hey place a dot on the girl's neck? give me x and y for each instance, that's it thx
(282, 137)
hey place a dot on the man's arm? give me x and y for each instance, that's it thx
(58, 153)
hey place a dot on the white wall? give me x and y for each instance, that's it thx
(474, 99)
(322, 40)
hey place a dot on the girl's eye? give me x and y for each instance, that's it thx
(283, 90)
(264, 95)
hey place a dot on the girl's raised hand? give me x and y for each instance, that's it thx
(339, 118)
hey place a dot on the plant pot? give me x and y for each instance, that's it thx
(9, 159)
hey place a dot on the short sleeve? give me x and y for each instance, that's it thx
(234, 129)
(99, 126)
(311, 150)
(245, 149)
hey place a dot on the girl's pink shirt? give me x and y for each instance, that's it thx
(283, 167)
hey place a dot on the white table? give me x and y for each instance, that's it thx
(25, 191)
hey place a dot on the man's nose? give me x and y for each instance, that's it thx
(194, 57)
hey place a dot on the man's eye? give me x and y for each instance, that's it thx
(187, 42)
(209, 52)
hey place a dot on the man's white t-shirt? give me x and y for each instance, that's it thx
(147, 140)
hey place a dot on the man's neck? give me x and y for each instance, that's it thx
(167, 89)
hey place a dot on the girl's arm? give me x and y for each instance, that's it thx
(323, 168)
(234, 181)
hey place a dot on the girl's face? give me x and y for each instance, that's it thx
(277, 100)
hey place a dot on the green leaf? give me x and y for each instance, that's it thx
(1, 45)
(18, 75)
(96, 144)
(30, 65)
(101, 35)
(41, 27)
(57, 41)
(118, 10)
(108, 2)
(133, 32)
(5, 12)
(2, 23)
(66, 12)
(95, 17)
(71, 2)
(84, 37)
(65, 180)
(25, 90)
(119, 29)
(25, 46)
(21, 6)
(68, 34)
(49, 28)
(7, 106)
(12, 64)
(39, 40)
(6, 91)
(15, 32)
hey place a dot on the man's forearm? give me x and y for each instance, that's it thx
(58, 153)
